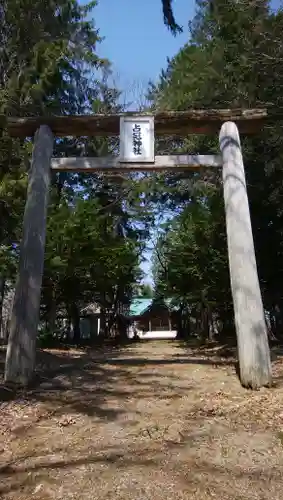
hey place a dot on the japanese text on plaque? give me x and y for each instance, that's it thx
(137, 140)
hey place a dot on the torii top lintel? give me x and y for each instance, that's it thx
(179, 123)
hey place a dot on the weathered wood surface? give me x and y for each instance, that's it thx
(200, 121)
(254, 356)
(171, 162)
(20, 357)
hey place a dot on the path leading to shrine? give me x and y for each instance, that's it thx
(156, 420)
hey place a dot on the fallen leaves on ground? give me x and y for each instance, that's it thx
(156, 420)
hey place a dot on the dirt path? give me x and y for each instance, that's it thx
(154, 421)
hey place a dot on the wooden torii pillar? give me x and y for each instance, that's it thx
(20, 358)
(254, 357)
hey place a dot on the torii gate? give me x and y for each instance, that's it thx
(137, 153)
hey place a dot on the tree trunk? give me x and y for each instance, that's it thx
(211, 325)
(253, 348)
(103, 324)
(76, 324)
(272, 322)
(278, 319)
(122, 329)
(52, 316)
(180, 326)
(20, 359)
(68, 327)
(2, 294)
(204, 321)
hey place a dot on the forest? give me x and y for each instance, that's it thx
(232, 60)
(128, 419)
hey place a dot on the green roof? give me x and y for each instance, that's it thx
(140, 305)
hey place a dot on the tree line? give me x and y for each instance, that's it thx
(99, 225)
(232, 60)
(96, 229)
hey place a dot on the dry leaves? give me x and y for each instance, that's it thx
(152, 421)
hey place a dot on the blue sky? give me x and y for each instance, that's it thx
(136, 40)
